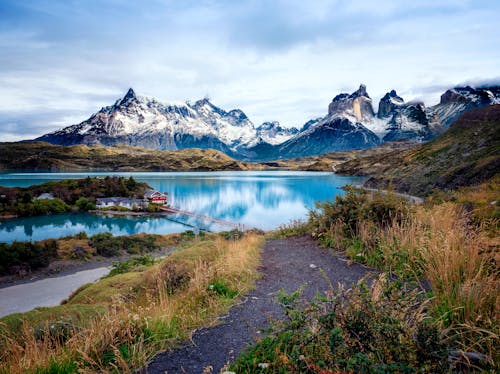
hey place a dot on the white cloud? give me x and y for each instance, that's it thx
(278, 60)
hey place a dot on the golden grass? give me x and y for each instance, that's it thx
(146, 310)
(442, 245)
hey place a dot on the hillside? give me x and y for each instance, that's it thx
(332, 161)
(468, 153)
(40, 156)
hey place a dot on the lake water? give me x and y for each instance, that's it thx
(263, 200)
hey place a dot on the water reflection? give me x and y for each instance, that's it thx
(256, 199)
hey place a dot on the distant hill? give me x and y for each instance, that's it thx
(40, 156)
(466, 154)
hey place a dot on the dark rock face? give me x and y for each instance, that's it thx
(409, 121)
(310, 123)
(388, 104)
(459, 100)
(337, 134)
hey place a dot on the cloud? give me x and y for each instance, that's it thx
(281, 60)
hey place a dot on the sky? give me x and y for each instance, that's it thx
(61, 61)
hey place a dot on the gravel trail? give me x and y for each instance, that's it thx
(286, 264)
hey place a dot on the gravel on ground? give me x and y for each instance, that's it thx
(287, 264)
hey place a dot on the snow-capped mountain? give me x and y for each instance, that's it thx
(273, 133)
(458, 100)
(146, 122)
(341, 129)
(351, 123)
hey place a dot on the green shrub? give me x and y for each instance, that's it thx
(220, 287)
(128, 265)
(234, 234)
(377, 329)
(83, 204)
(108, 245)
(355, 207)
(20, 257)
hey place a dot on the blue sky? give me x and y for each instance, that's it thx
(63, 60)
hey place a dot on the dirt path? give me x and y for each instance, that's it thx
(286, 264)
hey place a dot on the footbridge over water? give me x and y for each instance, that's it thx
(205, 218)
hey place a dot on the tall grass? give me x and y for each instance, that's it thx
(146, 310)
(443, 244)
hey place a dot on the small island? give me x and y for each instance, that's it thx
(115, 194)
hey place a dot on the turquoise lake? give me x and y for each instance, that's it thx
(263, 200)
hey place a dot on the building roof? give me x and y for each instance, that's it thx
(150, 193)
(45, 195)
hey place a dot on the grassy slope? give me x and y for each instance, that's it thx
(331, 161)
(116, 324)
(468, 153)
(44, 156)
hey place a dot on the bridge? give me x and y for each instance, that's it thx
(234, 225)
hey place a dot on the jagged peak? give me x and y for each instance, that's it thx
(269, 125)
(238, 113)
(393, 95)
(129, 96)
(361, 91)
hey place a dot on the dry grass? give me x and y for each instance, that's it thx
(146, 311)
(443, 246)
(450, 243)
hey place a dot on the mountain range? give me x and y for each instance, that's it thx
(351, 123)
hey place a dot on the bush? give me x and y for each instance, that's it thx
(20, 257)
(174, 276)
(107, 245)
(377, 329)
(355, 207)
(129, 265)
(85, 205)
(234, 234)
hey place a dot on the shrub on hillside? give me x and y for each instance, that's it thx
(21, 257)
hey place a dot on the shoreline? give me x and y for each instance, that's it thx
(68, 267)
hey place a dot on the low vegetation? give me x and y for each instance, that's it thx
(40, 156)
(116, 324)
(67, 195)
(21, 258)
(443, 248)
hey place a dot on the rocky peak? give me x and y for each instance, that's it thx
(129, 97)
(360, 92)
(358, 105)
(452, 96)
(238, 114)
(388, 104)
(269, 125)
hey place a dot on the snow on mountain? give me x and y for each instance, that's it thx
(273, 133)
(341, 129)
(458, 100)
(351, 123)
(148, 122)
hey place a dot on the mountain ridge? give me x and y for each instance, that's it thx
(350, 123)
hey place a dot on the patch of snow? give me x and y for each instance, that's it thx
(378, 126)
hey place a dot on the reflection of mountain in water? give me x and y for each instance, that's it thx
(256, 199)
